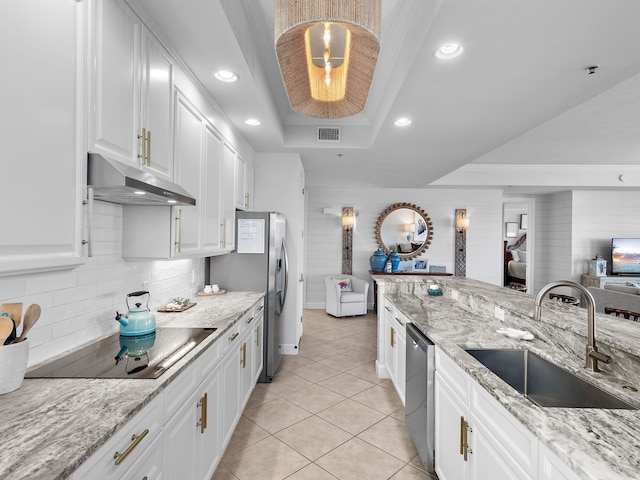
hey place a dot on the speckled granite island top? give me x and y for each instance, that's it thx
(597, 444)
(50, 426)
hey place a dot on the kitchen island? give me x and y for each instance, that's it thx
(51, 426)
(595, 444)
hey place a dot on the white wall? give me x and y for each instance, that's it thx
(324, 233)
(279, 186)
(553, 238)
(598, 216)
(79, 305)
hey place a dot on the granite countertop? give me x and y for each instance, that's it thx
(597, 444)
(50, 426)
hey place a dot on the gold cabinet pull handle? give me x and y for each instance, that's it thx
(393, 337)
(464, 444)
(203, 413)
(250, 320)
(135, 440)
(244, 354)
(143, 146)
(234, 336)
(258, 336)
(179, 233)
(148, 140)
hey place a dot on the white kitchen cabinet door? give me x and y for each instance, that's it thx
(188, 157)
(247, 359)
(129, 447)
(227, 197)
(211, 436)
(390, 340)
(115, 81)
(450, 418)
(41, 172)
(490, 460)
(257, 345)
(551, 468)
(239, 182)
(181, 452)
(211, 191)
(230, 378)
(157, 110)
(249, 174)
(401, 356)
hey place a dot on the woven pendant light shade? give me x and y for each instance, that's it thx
(305, 84)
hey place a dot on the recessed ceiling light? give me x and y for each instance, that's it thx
(449, 50)
(254, 122)
(402, 122)
(226, 76)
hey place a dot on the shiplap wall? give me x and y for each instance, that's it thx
(324, 232)
(553, 238)
(79, 305)
(598, 217)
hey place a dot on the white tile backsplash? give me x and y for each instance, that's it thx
(79, 305)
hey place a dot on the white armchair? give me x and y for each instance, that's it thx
(346, 295)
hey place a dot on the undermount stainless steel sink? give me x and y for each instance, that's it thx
(543, 382)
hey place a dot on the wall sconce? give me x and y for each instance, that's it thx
(462, 223)
(348, 218)
(348, 223)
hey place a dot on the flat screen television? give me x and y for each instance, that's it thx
(625, 256)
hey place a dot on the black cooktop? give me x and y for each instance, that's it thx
(119, 356)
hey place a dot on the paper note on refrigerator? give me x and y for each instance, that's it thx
(250, 236)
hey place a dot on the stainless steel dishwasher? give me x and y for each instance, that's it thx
(419, 405)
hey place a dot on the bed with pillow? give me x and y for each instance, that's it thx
(515, 262)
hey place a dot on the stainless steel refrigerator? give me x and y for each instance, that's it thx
(259, 264)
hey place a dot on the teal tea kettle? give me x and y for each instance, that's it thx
(138, 320)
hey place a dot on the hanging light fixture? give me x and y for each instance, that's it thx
(327, 51)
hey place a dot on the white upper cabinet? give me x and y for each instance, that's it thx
(115, 81)
(227, 197)
(41, 170)
(131, 91)
(156, 127)
(189, 163)
(187, 231)
(244, 183)
(211, 229)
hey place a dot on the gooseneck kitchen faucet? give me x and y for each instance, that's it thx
(592, 354)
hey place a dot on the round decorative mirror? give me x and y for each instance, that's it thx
(405, 228)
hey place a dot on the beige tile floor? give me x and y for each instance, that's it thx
(326, 415)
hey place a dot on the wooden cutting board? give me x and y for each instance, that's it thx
(181, 308)
(14, 310)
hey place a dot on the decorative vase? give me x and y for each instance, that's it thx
(378, 260)
(395, 260)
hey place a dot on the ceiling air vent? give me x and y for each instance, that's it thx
(329, 134)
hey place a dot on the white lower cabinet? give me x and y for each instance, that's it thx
(466, 448)
(395, 346)
(131, 450)
(182, 432)
(477, 438)
(551, 468)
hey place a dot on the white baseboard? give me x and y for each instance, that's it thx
(288, 349)
(381, 371)
(315, 305)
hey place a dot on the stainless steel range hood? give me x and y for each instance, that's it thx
(116, 182)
